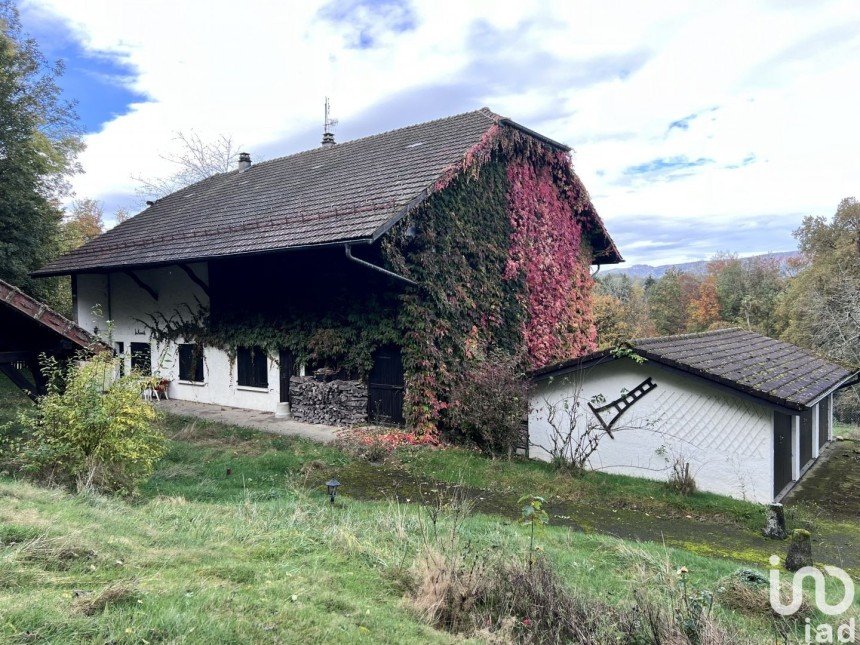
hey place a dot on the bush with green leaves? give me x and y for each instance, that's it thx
(92, 429)
(488, 405)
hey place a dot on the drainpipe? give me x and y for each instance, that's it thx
(390, 274)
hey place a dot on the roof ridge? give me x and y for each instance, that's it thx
(697, 334)
(484, 111)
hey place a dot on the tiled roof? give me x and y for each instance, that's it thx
(25, 305)
(768, 369)
(348, 192)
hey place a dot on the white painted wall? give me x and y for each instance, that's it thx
(728, 440)
(117, 298)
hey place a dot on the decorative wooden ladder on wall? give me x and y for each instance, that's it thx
(621, 404)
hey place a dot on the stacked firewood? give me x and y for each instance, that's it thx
(337, 402)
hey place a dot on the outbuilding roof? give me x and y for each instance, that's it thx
(15, 305)
(348, 192)
(768, 369)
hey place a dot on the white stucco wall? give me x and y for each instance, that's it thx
(728, 440)
(128, 303)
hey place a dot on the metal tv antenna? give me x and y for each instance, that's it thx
(328, 126)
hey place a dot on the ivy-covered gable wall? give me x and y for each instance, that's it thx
(455, 246)
(500, 255)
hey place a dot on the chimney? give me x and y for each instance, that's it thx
(244, 161)
(328, 139)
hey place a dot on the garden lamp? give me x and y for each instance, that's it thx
(332, 489)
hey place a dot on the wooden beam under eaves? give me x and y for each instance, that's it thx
(194, 278)
(140, 283)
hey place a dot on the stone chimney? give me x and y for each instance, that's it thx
(244, 161)
(328, 139)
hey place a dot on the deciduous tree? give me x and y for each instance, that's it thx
(84, 222)
(822, 305)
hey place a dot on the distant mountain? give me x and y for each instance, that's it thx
(642, 271)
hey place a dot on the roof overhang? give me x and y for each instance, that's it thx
(40, 273)
(46, 317)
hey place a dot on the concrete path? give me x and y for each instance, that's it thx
(254, 419)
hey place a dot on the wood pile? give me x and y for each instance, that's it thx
(337, 402)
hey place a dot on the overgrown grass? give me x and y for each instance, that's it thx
(202, 556)
(601, 489)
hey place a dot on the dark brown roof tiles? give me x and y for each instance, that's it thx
(347, 192)
(763, 367)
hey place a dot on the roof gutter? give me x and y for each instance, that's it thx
(394, 276)
(42, 273)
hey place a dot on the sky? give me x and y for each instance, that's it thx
(697, 127)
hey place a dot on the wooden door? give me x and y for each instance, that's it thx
(823, 421)
(285, 363)
(805, 438)
(385, 387)
(781, 451)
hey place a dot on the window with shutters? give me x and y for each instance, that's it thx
(191, 363)
(253, 367)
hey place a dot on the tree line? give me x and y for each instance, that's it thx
(40, 140)
(812, 301)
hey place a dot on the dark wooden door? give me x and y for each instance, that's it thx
(781, 451)
(823, 421)
(805, 437)
(286, 364)
(385, 387)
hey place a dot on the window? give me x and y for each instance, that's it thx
(253, 367)
(141, 358)
(191, 363)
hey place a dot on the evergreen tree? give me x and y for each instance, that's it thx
(39, 141)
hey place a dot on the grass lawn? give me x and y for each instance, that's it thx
(201, 556)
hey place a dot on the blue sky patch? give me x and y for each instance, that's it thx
(99, 82)
(665, 166)
(683, 124)
(369, 19)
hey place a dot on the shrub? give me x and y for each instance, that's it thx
(91, 430)
(681, 480)
(488, 405)
(545, 610)
(748, 592)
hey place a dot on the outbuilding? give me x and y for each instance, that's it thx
(747, 413)
(29, 330)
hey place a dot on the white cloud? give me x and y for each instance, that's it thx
(773, 86)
